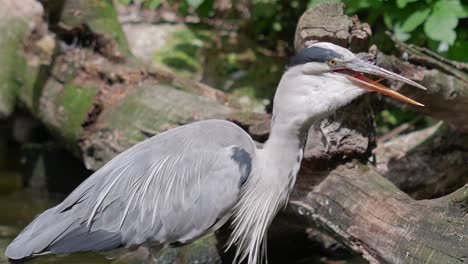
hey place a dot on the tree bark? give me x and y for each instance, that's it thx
(374, 218)
(17, 20)
(447, 86)
(425, 164)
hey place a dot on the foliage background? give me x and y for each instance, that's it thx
(436, 24)
(439, 25)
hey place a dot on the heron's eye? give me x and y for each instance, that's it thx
(332, 62)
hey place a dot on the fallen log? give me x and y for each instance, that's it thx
(88, 90)
(372, 217)
(16, 23)
(428, 163)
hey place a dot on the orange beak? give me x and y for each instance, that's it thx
(380, 88)
(354, 70)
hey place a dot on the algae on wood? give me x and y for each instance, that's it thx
(16, 22)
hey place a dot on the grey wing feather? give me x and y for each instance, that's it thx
(171, 188)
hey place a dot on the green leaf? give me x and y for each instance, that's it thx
(441, 23)
(195, 3)
(313, 3)
(206, 9)
(415, 19)
(353, 6)
(452, 6)
(387, 18)
(400, 34)
(153, 4)
(459, 51)
(403, 3)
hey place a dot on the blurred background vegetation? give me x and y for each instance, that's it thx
(437, 24)
(263, 33)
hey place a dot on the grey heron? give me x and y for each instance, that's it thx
(182, 184)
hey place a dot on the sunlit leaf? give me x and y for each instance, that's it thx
(195, 3)
(441, 23)
(453, 7)
(387, 18)
(415, 20)
(400, 34)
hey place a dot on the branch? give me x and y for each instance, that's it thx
(447, 84)
(371, 216)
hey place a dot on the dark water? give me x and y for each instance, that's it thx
(18, 208)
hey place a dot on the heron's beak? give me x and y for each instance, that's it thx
(355, 69)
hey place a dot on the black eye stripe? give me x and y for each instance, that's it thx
(312, 54)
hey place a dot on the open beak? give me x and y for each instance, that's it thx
(356, 68)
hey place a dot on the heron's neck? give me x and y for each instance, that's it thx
(288, 133)
(285, 139)
(268, 188)
(283, 151)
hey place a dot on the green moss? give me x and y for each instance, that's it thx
(76, 102)
(100, 16)
(183, 51)
(363, 168)
(139, 115)
(12, 35)
(105, 21)
(232, 64)
(151, 109)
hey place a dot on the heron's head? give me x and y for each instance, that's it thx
(324, 77)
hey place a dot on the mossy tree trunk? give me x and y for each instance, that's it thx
(79, 78)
